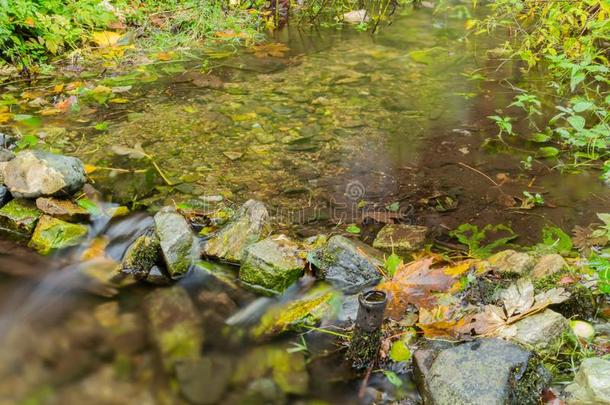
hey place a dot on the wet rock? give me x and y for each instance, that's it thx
(63, 209)
(2, 169)
(174, 326)
(509, 261)
(355, 17)
(125, 332)
(263, 391)
(35, 174)
(348, 265)
(156, 276)
(18, 219)
(485, 372)
(141, 256)
(204, 381)
(177, 241)
(548, 265)
(537, 330)
(5, 195)
(248, 225)
(401, 238)
(271, 265)
(285, 369)
(51, 234)
(309, 310)
(591, 385)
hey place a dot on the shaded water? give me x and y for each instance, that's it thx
(328, 129)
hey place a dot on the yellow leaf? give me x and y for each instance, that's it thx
(165, 56)
(5, 117)
(90, 169)
(470, 24)
(50, 111)
(105, 38)
(58, 88)
(460, 268)
(119, 101)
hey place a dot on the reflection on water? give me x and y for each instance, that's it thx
(339, 120)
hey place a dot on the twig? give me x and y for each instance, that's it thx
(365, 382)
(480, 172)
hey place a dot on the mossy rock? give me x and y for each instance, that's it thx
(18, 219)
(294, 316)
(141, 256)
(174, 325)
(52, 234)
(271, 265)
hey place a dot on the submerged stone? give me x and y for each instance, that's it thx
(52, 234)
(62, 209)
(271, 265)
(509, 261)
(18, 218)
(204, 381)
(156, 276)
(34, 174)
(287, 370)
(177, 241)
(347, 265)
(141, 256)
(537, 330)
(246, 227)
(485, 372)
(5, 195)
(174, 325)
(295, 315)
(591, 385)
(401, 238)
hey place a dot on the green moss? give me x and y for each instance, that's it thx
(581, 303)
(363, 348)
(52, 234)
(526, 388)
(18, 218)
(297, 314)
(142, 255)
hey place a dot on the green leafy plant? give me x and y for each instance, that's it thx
(474, 238)
(532, 199)
(601, 264)
(392, 263)
(555, 240)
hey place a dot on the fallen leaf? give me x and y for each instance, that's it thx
(90, 168)
(415, 283)
(276, 50)
(119, 100)
(134, 153)
(105, 38)
(5, 117)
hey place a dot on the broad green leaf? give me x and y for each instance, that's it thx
(556, 240)
(400, 351)
(393, 378)
(576, 79)
(90, 206)
(605, 218)
(540, 137)
(395, 206)
(577, 122)
(582, 106)
(548, 151)
(353, 228)
(392, 263)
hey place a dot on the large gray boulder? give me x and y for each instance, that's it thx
(591, 385)
(248, 225)
(481, 372)
(178, 243)
(33, 174)
(347, 265)
(271, 265)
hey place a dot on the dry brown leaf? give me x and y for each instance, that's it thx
(415, 283)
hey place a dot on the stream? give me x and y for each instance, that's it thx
(327, 128)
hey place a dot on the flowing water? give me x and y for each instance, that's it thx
(327, 128)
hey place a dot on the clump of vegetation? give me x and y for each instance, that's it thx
(568, 40)
(30, 31)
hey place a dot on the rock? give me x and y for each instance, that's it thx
(204, 381)
(591, 385)
(6, 155)
(263, 391)
(2, 169)
(537, 330)
(178, 243)
(52, 234)
(62, 209)
(355, 17)
(548, 265)
(5, 195)
(156, 276)
(349, 266)
(174, 326)
(294, 315)
(35, 174)
(401, 238)
(141, 256)
(271, 265)
(18, 219)
(509, 261)
(485, 372)
(287, 370)
(246, 227)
